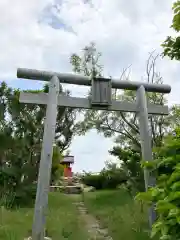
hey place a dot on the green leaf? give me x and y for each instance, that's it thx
(145, 196)
(156, 228)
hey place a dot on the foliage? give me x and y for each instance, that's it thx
(174, 117)
(172, 44)
(88, 64)
(166, 194)
(93, 180)
(130, 160)
(109, 178)
(57, 169)
(21, 133)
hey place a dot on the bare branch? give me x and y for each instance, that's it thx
(150, 67)
(124, 73)
(153, 67)
(134, 140)
(128, 123)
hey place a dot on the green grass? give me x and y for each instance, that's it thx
(62, 222)
(119, 213)
(115, 209)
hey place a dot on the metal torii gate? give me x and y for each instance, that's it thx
(100, 99)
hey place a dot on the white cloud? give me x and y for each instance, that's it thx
(125, 31)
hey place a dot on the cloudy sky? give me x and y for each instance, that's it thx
(42, 34)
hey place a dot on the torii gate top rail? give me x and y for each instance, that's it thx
(86, 81)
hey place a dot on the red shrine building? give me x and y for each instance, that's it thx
(66, 163)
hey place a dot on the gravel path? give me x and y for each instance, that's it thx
(92, 225)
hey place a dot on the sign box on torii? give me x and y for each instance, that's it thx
(100, 99)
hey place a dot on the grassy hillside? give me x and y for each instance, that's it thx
(119, 213)
(62, 223)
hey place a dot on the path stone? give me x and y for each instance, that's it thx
(95, 231)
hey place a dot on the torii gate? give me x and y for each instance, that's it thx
(100, 99)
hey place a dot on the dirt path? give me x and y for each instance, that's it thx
(92, 225)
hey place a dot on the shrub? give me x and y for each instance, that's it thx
(106, 179)
(22, 195)
(93, 180)
(166, 194)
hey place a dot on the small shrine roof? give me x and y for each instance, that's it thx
(67, 159)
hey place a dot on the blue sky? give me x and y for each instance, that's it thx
(43, 34)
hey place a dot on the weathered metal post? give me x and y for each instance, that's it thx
(146, 148)
(41, 203)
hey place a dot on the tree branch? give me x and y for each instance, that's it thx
(126, 133)
(129, 124)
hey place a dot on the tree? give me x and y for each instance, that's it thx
(172, 44)
(21, 132)
(88, 64)
(123, 126)
(27, 122)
